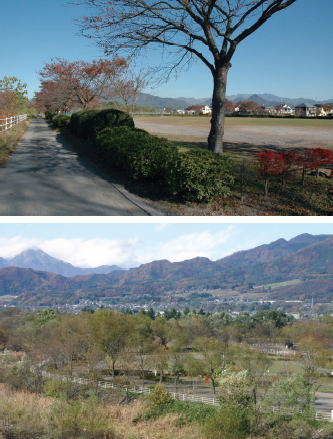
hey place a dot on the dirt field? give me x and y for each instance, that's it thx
(288, 133)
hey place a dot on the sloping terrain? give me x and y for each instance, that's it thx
(39, 260)
(306, 257)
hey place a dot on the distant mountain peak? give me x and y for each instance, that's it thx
(37, 259)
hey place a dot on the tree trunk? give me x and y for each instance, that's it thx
(266, 187)
(213, 385)
(215, 138)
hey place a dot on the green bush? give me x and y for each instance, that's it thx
(108, 118)
(60, 121)
(49, 115)
(79, 122)
(203, 175)
(228, 423)
(78, 419)
(142, 156)
(88, 123)
(160, 396)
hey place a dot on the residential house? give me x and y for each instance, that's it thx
(198, 109)
(305, 110)
(324, 110)
(284, 110)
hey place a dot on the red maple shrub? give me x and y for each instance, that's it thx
(292, 161)
(315, 158)
(270, 164)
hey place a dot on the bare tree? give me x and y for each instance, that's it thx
(128, 87)
(209, 30)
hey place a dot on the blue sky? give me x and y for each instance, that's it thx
(290, 56)
(132, 244)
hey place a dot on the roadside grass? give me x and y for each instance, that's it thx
(9, 139)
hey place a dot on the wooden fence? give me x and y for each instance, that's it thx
(6, 123)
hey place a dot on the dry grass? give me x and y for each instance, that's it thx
(25, 399)
(9, 139)
(33, 411)
(125, 423)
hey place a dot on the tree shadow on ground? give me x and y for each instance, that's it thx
(239, 148)
(99, 167)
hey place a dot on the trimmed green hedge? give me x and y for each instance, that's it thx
(140, 155)
(195, 175)
(60, 121)
(203, 175)
(88, 123)
(49, 115)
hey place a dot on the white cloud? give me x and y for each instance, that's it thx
(10, 247)
(124, 252)
(206, 244)
(161, 226)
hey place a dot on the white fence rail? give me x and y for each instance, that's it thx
(319, 415)
(6, 123)
(131, 388)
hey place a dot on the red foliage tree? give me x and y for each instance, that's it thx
(270, 164)
(315, 158)
(250, 107)
(55, 96)
(82, 80)
(229, 106)
(292, 161)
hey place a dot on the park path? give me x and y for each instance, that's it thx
(45, 176)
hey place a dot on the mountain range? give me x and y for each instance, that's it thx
(305, 258)
(39, 260)
(149, 100)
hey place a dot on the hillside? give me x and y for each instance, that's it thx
(39, 260)
(306, 257)
(149, 100)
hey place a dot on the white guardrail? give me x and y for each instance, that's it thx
(6, 123)
(131, 388)
(319, 415)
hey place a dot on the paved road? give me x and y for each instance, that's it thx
(44, 176)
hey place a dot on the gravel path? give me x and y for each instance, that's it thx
(44, 176)
(271, 135)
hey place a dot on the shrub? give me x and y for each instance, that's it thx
(88, 123)
(141, 155)
(228, 423)
(159, 396)
(49, 115)
(203, 175)
(79, 121)
(78, 419)
(60, 121)
(109, 118)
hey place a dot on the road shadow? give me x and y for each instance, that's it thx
(240, 148)
(83, 149)
(46, 176)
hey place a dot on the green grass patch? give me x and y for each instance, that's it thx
(281, 284)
